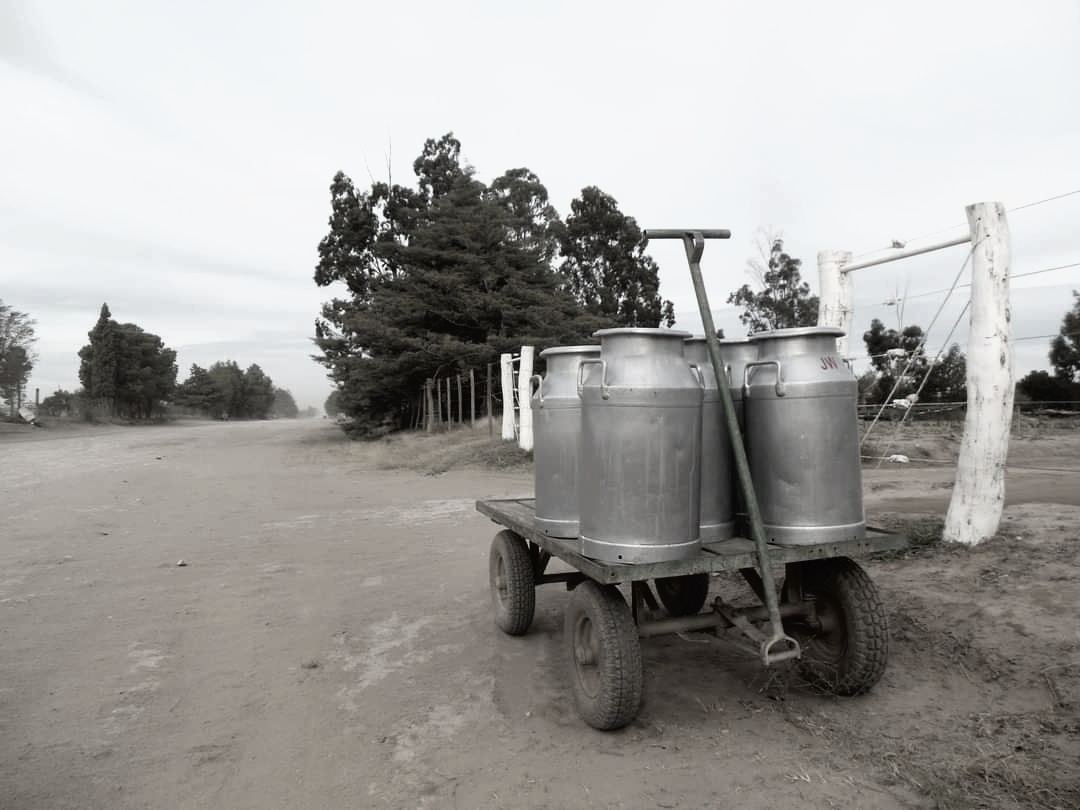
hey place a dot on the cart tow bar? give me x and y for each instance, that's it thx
(778, 646)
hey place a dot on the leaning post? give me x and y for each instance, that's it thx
(978, 496)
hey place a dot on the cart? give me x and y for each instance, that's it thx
(827, 615)
(828, 604)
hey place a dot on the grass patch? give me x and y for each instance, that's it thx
(437, 453)
(923, 535)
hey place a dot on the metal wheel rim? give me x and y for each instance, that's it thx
(586, 655)
(829, 643)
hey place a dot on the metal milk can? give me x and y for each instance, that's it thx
(639, 475)
(802, 437)
(556, 433)
(717, 520)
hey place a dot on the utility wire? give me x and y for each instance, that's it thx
(922, 343)
(968, 284)
(954, 227)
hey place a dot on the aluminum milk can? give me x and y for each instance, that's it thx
(802, 437)
(639, 475)
(556, 434)
(717, 520)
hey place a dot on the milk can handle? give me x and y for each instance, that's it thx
(604, 393)
(780, 390)
(700, 376)
(539, 381)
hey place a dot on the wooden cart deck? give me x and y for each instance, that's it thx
(728, 555)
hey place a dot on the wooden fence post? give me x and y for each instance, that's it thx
(429, 407)
(472, 398)
(487, 397)
(506, 360)
(525, 373)
(978, 496)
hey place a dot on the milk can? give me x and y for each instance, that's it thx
(717, 520)
(639, 476)
(802, 437)
(556, 435)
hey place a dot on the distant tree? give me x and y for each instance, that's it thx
(332, 406)
(784, 300)
(16, 353)
(1041, 386)
(1065, 348)
(283, 405)
(900, 362)
(199, 392)
(258, 394)
(61, 403)
(126, 370)
(605, 266)
(310, 412)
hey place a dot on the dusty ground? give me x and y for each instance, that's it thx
(329, 644)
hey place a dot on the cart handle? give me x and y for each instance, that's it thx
(677, 233)
(780, 388)
(604, 392)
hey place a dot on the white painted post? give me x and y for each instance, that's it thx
(507, 362)
(836, 306)
(525, 372)
(978, 496)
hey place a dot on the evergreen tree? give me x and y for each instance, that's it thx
(605, 266)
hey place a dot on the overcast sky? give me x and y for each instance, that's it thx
(174, 159)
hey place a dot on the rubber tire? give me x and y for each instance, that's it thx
(683, 595)
(605, 656)
(849, 655)
(513, 583)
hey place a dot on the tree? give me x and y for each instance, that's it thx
(784, 300)
(61, 403)
(126, 370)
(901, 366)
(1041, 386)
(199, 392)
(440, 279)
(332, 406)
(258, 390)
(1065, 348)
(16, 353)
(605, 266)
(283, 406)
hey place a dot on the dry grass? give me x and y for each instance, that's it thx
(436, 453)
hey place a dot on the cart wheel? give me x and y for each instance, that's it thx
(683, 595)
(605, 656)
(513, 583)
(845, 650)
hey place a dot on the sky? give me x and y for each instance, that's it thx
(174, 159)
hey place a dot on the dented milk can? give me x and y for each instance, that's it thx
(557, 432)
(802, 437)
(639, 479)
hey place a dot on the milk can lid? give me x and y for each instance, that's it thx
(570, 350)
(799, 331)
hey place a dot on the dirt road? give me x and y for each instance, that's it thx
(328, 643)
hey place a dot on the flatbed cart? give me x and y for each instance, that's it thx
(827, 603)
(827, 615)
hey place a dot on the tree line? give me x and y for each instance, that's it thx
(127, 372)
(17, 356)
